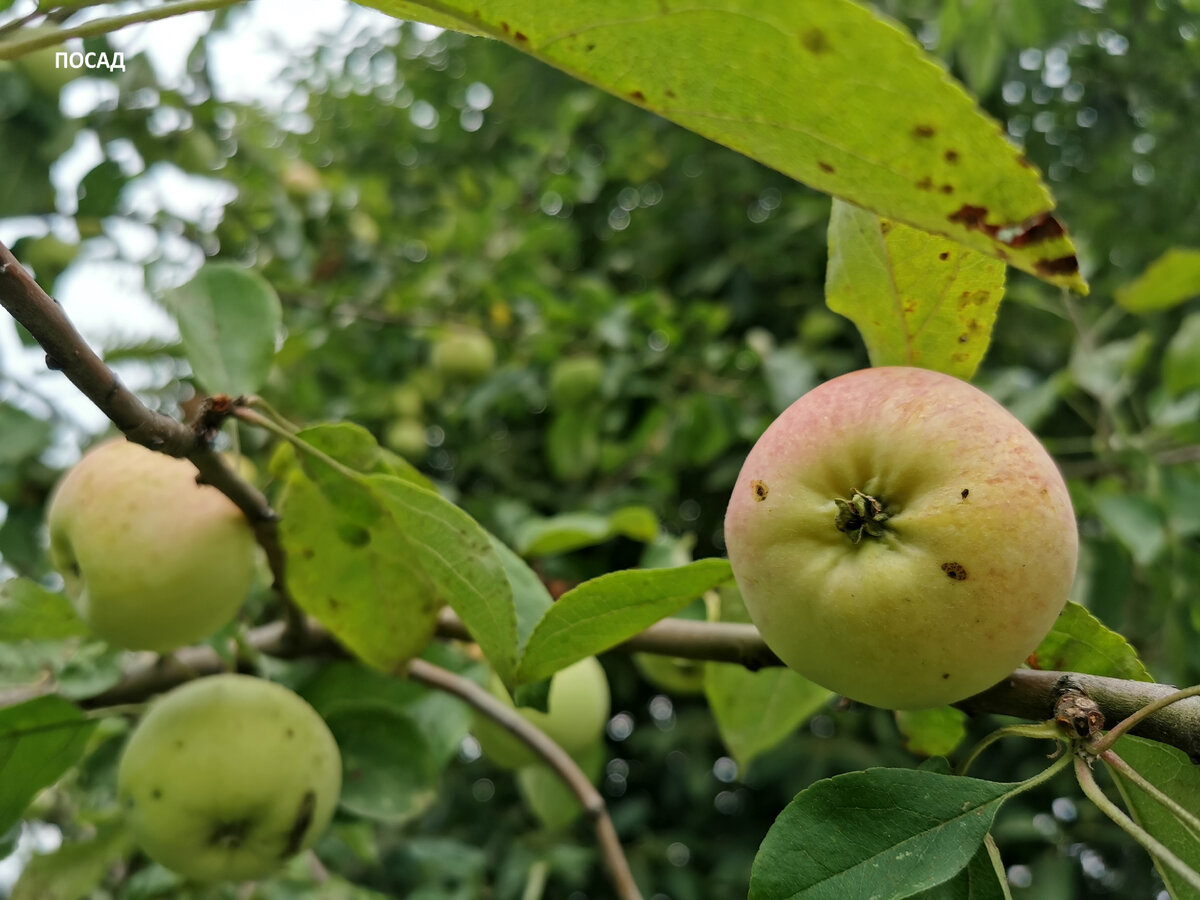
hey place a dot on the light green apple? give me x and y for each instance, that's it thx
(901, 538)
(227, 777)
(548, 797)
(673, 674)
(576, 713)
(151, 560)
(463, 354)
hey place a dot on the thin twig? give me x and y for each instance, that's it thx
(96, 27)
(555, 756)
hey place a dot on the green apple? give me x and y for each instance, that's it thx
(548, 797)
(901, 538)
(574, 380)
(576, 713)
(463, 354)
(227, 777)
(407, 437)
(151, 560)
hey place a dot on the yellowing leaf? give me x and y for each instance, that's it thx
(825, 91)
(917, 299)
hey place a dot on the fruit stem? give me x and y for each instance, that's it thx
(1087, 781)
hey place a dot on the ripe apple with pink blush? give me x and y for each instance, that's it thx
(901, 538)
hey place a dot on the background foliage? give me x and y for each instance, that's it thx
(416, 183)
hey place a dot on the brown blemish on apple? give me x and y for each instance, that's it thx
(945, 675)
(813, 40)
(954, 571)
(966, 492)
(760, 490)
(304, 817)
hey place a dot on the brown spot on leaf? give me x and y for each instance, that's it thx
(760, 490)
(504, 27)
(924, 131)
(589, 48)
(945, 675)
(947, 189)
(1043, 228)
(884, 226)
(638, 96)
(954, 571)
(925, 184)
(951, 156)
(1064, 265)
(1024, 161)
(813, 40)
(944, 255)
(972, 217)
(520, 36)
(825, 167)
(964, 338)
(670, 93)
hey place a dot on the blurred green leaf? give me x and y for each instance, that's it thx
(30, 612)
(1181, 364)
(604, 611)
(983, 879)
(754, 711)
(574, 531)
(1168, 281)
(1169, 770)
(917, 299)
(932, 732)
(1136, 522)
(39, 741)
(229, 318)
(1079, 642)
(933, 161)
(24, 435)
(99, 189)
(912, 830)
(74, 870)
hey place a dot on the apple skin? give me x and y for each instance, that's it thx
(576, 713)
(463, 354)
(673, 674)
(966, 576)
(151, 560)
(227, 777)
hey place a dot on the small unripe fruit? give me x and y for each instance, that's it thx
(576, 713)
(901, 538)
(463, 354)
(575, 380)
(407, 437)
(227, 777)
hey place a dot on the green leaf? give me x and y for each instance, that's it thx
(1168, 281)
(869, 116)
(878, 833)
(39, 741)
(30, 612)
(99, 189)
(74, 870)
(24, 435)
(461, 562)
(754, 711)
(1181, 364)
(358, 581)
(982, 879)
(374, 556)
(531, 599)
(1079, 642)
(229, 318)
(1169, 770)
(1136, 522)
(604, 611)
(917, 299)
(575, 531)
(388, 771)
(932, 732)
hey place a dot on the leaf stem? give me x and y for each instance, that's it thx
(251, 417)
(257, 402)
(1186, 818)
(1087, 781)
(1042, 730)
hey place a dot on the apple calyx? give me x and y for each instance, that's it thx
(861, 514)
